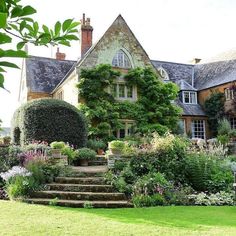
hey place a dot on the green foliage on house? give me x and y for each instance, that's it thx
(214, 108)
(108, 98)
(49, 120)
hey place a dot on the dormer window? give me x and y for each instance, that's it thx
(121, 60)
(189, 97)
(163, 73)
(229, 94)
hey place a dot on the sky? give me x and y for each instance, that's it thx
(168, 30)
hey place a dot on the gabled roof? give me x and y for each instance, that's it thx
(176, 71)
(183, 85)
(214, 74)
(44, 74)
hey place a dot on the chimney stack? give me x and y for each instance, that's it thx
(86, 35)
(60, 55)
(196, 60)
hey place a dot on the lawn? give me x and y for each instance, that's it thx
(21, 219)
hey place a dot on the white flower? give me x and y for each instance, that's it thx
(14, 171)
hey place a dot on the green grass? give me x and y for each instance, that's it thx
(21, 219)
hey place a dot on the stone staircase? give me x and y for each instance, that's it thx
(84, 186)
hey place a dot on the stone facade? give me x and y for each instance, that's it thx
(57, 78)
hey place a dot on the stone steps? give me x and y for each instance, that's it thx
(85, 174)
(80, 180)
(84, 187)
(79, 187)
(79, 204)
(86, 196)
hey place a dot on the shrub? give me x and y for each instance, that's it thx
(4, 159)
(150, 184)
(148, 201)
(3, 194)
(217, 199)
(96, 144)
(20, 186)
(121, 185)
(117, 145)
(18, 182)
(69, 152)
(57, 145)
(49, 120)
(84, 153)
(224, 127)
(204, 173)
(180, 194)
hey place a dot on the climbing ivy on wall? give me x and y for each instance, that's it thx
(153, 111)
(214, 108)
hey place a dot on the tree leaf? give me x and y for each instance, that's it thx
(16, 12)
(64, 42)
(8, 64)
(57, 28)
(3, 20)
(13, 53)
(3, 6)
(1, 81)
(73, 31)
(20, 45)
(22, 25)
(27, 19)
(46, 29)
(66, 24)
(13, 27)
(4, 38)
(73, 25)
(36, 28)
(28, 10)
(2, 70)
(71, 37)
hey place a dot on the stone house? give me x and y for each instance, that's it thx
(56, 78)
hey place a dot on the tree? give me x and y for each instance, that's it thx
(16, 22)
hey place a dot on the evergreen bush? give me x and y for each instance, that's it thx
(49, 120)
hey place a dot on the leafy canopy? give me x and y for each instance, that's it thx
(16, 21)
(153, 111)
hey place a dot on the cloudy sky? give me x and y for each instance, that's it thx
(167, 29)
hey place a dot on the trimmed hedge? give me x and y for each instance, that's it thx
(49, 120)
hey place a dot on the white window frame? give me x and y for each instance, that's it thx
(194, 135)
(125, 98)
(126, 127)
(191, 101)
(229, 94)
(125, 61)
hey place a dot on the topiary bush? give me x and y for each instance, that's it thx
(49, 120)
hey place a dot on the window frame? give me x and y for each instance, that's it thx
(232, 121)
(229, 94)
(190, 98)
(126, 128)
(126, 97)
(125, 62)
(194, 135)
